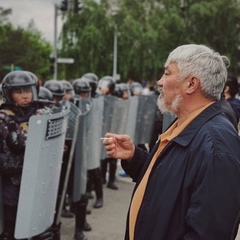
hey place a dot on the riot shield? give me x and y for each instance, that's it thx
(41, 173)
(132, 116)
(95, 133)
(81, 152)
(108, 109)
(120, 116)
(72, 131)
(147, 109)
(1, 208)
(74, 113)
(168, 117)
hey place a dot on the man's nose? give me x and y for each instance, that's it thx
(159, 82)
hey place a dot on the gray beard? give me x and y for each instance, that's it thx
(174, 107)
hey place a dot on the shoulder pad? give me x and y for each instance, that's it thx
(4, 116)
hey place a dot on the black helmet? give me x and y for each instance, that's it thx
(125, 89)
(45, 95)
(34, 77)
(66, 85)
(15, 80)
(92, 77)
(69, 91)
(118, 92)
(93, 80)
(108, 82)
(81, 85)
(136, 88)
(55, 87)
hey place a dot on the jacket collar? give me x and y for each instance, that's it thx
(186, 136)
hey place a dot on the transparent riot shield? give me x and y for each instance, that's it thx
(120, 116)
(81, 152)
(147, 108)
(1, 207)
(95, 133)
(132, 116)
(109, 102)
(41, 173)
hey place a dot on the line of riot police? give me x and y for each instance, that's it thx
(61, 152)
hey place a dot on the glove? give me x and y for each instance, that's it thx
(15, 139)
(15, 142)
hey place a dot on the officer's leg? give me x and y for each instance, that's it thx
(90, 182)
(79, 208)
(98, 187)
(104, 163)
(10, 213)
(112, 173)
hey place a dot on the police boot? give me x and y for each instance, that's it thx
(6, 236)
(87, 227)
(66, 213)
(80, 218)
(79, 235)
(112, 172)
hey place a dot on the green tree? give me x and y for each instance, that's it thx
(147, 31)
(216, 24)
(24, 48)
(88, 38)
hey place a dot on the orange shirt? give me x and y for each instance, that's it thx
(171, 133)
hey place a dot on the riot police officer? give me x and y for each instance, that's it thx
(136, 89)
(94, 181)
(68, 88)
(106, 86)
(57, 90)
(93, 81)
(45, 96)
(82, 89)
(19, 104)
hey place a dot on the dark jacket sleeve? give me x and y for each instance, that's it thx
(212, 191)
(134, 167)
(10, 163)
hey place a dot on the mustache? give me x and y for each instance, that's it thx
(160, 90)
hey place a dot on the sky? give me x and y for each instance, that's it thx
(40, 11)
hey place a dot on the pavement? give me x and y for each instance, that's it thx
(108, 222)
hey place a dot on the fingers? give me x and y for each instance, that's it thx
(109, 142)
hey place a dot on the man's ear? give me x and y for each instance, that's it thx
(192, 85)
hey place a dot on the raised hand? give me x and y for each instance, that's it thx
(119, 146)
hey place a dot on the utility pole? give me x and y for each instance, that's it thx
(114, 12)
(64, 8)
(55, 42)
(115, 54)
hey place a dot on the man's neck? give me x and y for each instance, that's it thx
(192, 106)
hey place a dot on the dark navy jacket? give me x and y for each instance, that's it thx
(193, 192)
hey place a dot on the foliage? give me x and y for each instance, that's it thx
(147, 30)
(23, 49)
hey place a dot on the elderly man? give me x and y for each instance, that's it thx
(188, 187)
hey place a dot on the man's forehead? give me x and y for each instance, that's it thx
(171, 65)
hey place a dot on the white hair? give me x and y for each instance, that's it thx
(200, 61)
